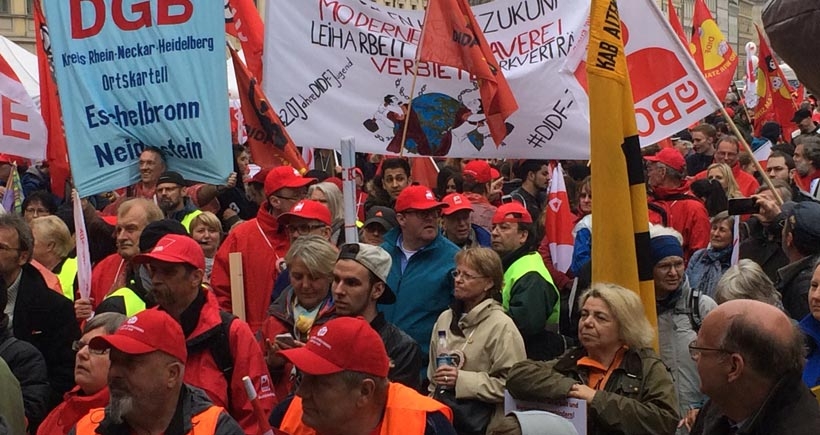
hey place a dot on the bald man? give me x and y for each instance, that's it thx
(750, 359)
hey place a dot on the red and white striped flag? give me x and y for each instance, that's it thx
(559, 222)
(81, 242)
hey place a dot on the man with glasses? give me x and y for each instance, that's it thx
(263, 243)
(359, 284)
(36, 314)
(728, 150)
(457, 226)
(422, 259)
(750, 359)
(529, 295)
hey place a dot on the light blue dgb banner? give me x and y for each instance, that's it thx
(133, 73)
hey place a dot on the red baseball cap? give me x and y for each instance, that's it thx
(456, 202)
(480, 171)
(516, 209)
(148, 331)
(494, 173)
(417, 197)
(175, 248)
(669, 157)
(307, 209)
(285, 176)
(342, 344)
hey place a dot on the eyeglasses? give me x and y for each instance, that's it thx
(425, 214)
(303, 228)
(77, 345)
(695, 351)
(464, 275)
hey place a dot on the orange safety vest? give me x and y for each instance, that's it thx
(405, 413)
(203, 423)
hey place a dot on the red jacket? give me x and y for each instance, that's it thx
(746, 182)
(202, 372)
(686, 216)
(108, 275)
(74, 407)
(260, 264)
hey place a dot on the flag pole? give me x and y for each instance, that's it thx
(413, 83)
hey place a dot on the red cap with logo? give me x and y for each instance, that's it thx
(669, 157)
(308, 209)
(456, 202)
(417, 198)
(342, 344)
(175, 248)
(480, 171)
(512, 212)
(148, 331)
(285, 176)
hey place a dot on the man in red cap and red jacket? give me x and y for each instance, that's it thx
(176, 266)
(263, 244)
(671, 204)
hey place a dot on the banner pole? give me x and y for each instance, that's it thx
(413, 83)
(348, 151)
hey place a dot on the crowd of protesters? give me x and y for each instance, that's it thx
(450, 298)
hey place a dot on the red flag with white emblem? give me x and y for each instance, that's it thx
(560, 221)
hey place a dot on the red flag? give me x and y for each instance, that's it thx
(774, 101)
(452, 37)
(243, 22)
(270, 143)
(424, 171)
(56, 151)
(715, 58)
(674, 21)
(559, 222)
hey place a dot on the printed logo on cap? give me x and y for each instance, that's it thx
(162, 244)
(379, 213)
(298, 207)
(132, 320)
(457, 199)
(322, 331)
(429, 195)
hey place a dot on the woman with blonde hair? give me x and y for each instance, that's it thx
(627, 387)
(723, 174)
(474, 344)
(329, 194)
(206, 229)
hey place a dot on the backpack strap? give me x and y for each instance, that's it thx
(693, 309)
(217, 342)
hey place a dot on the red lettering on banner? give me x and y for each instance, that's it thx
(664, 108)
(142, 10)
(9, 116)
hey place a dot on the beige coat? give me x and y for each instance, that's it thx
(491, 346)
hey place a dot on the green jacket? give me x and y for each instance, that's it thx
(639, 397)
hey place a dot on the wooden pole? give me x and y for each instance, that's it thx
(237, 284)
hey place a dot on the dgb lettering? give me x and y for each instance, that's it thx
(169, 12)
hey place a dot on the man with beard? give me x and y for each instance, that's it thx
(148, 355)
(173, 201)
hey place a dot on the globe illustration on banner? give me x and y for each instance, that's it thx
(437, 114)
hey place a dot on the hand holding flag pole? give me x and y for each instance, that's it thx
(258, 413)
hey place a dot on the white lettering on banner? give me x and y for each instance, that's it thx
(532, 40)
(21, 126)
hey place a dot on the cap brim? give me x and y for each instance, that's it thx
(121, 343)
(651, 158)
(298, 182)
(158, 256)
(378, 220)
(453, 209)
(285, 217)
(307, 361)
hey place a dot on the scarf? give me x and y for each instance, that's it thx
(706, 267)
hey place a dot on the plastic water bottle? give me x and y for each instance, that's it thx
(443, 357)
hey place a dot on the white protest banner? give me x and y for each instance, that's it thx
(574, 410)
(22, 130)
(134, 73)
(336, 68)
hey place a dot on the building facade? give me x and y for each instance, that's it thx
(17, 22)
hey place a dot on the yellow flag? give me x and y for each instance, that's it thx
(620, 222)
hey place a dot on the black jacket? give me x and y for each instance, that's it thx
(761, 244)
(29, 367)
(403, 351)
(790, 409)
(46, 319)
(793, 285)
(192, 401)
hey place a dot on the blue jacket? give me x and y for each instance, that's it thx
(425, 288)
(811, 372)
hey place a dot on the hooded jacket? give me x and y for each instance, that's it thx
(263, 245)
(29, 367)
(687, 216)
(75, 406)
